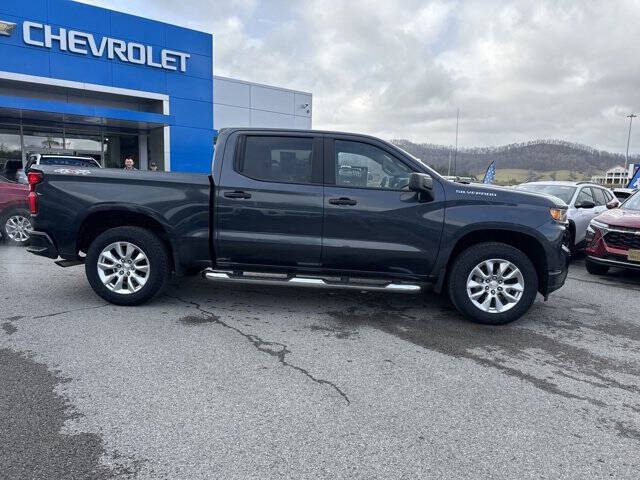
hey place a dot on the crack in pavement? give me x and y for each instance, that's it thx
(275, 349)
(487, 346)
(71, 311)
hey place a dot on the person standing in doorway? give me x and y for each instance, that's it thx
(129, 164)
(153, 167)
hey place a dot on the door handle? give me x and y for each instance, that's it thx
(342, 201)
(237, 194)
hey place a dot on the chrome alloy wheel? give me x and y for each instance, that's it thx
(123, 268)
(18, 228)
(495, 286)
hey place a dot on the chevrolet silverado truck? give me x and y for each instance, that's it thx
(303, 208)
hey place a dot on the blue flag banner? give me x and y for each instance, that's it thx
(491, 173)
(635, 181)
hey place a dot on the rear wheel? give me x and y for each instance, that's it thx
(596, 268)
(16, 227)
(493, 283)
(127, 265)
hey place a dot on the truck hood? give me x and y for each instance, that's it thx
(620, 218)
(507, 194)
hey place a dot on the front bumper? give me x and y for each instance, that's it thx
(556, 278)
(41, 244)
(600, 252)
(609, 262)
(558, 257)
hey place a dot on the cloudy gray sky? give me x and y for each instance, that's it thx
(518, 70)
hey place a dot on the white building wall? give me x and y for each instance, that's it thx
(245, 104)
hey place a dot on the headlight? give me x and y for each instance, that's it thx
(599, 225)
(559, 214)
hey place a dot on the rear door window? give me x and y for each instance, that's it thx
(278, 159)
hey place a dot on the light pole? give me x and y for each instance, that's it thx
(626, 158)
(455, 157)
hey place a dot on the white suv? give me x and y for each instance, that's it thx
(586, 201)
(65, 160)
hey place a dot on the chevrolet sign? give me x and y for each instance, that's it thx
(7, 28)
(40, 35)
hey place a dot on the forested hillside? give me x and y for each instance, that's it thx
(580, 161)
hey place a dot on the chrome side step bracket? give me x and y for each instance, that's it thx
(313, 282)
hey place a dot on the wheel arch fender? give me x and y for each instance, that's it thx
(526, 239)
(102, 217)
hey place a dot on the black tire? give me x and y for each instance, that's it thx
(473, 256)
(596, 268)
(6, 217)
(150, 245)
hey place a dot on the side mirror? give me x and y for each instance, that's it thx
(420, 182)
(613, 204)
(588, 204)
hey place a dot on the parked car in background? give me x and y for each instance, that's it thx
(613, 238)
(64, 160)
(585, 200)
(13, 170)
(455, 178)
(623, 193)
(15, 219)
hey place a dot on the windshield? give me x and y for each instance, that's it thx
(563, 192)
(70, 161)
(633, 203)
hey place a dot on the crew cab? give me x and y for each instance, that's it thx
(304, 208)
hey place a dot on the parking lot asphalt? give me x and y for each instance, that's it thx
(237, 382)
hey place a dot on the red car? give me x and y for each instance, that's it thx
(613, 238)
(15, 219)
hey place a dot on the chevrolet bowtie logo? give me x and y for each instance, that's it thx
(7, 28)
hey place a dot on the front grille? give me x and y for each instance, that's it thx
(623, 239)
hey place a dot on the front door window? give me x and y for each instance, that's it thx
(363, 165)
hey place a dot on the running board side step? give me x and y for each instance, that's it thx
(313, 282)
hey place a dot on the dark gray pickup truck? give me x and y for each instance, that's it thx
(303, 208)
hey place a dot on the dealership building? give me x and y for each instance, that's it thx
(82, 80)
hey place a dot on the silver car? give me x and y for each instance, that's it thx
(585, 200)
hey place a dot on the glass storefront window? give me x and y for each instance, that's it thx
(83, 142)
(43, 140)
(10, 152)
(110, 147)
(10, 145)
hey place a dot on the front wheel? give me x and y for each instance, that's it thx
(127, 265)
(493, 283)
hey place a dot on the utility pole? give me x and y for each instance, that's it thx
(626, 158)
(455, 157)
(449, 170)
